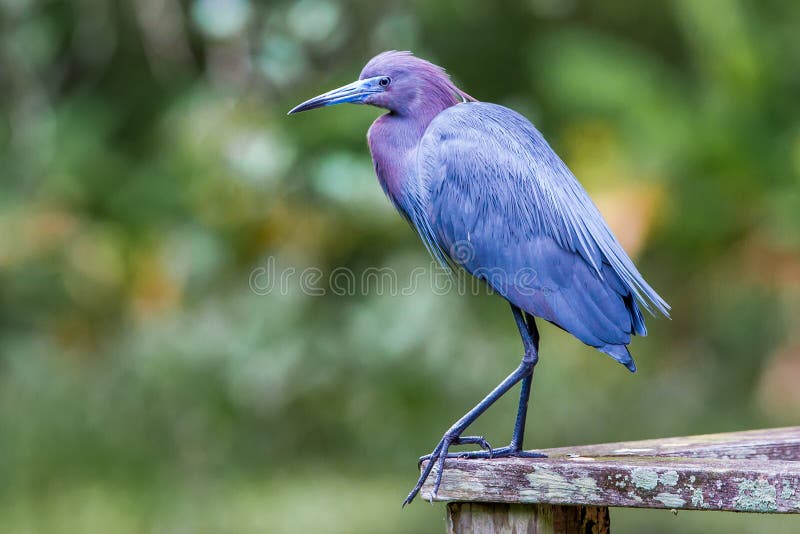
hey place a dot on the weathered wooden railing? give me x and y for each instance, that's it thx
(572, 489)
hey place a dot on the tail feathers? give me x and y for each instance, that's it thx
(636, 316)
(621, 354)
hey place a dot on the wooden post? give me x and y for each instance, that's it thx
(497, 518)
(570, 490)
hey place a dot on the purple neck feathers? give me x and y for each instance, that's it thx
(419, 91)
(393, 141)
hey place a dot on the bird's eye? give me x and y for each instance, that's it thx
(385, 81)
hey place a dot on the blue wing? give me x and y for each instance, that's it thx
(503, 205)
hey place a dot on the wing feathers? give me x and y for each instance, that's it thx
(489, 179)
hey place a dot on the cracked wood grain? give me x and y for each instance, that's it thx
(492, 518)
(755, 471)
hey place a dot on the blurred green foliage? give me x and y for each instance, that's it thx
(147, 169)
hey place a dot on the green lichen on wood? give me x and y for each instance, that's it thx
(756, 496)
(670, 478)
(644, 478)
(698, 499)
(463, 481)
(557, 487)
(787, 492)
(670, 500)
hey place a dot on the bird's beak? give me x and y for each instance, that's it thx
(354, 93)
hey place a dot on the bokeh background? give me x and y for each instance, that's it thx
(148, 169)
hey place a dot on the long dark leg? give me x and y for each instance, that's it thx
(452, 436)
(530, 339)
(525, 391)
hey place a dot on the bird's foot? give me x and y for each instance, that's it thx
(441, 453)
(509, 451)
(437, 458)
(466, 440)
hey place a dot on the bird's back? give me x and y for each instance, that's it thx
(501, 203)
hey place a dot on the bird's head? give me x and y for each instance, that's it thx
(397, 81)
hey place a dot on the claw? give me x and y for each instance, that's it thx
(440, 468)
(475, 440)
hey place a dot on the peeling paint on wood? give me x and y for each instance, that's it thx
(746, 476)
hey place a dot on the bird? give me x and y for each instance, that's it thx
(486, 193)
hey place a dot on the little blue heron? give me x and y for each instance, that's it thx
(485, 192)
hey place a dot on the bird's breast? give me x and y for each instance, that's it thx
(393, 156)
